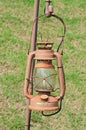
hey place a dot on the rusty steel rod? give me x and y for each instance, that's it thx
(33, 46)
(35, 26)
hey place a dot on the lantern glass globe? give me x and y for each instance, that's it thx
(45, 79)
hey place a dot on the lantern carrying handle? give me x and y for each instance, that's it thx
(64, 25)
(60, 107)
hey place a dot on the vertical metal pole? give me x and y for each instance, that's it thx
(33, 47)
(35, 26)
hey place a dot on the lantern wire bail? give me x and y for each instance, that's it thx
(60, 107)
(64, 28)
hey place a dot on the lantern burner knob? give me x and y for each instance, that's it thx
(44, 97)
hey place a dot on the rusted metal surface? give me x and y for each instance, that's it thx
(43, 102)
(45, 43)
(35, 99)
(35, 26)
(44, 54)
(46, 64)
(48, 9)
(40, 104)
(61, 74)
(33, 46)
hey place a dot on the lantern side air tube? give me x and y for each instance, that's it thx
(60, 74)
(27, 76)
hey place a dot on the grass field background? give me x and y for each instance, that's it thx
(16, 18)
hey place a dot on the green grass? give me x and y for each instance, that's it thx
(16, 18)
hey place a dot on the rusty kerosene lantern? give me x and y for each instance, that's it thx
(44, 78)
(41, 74)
